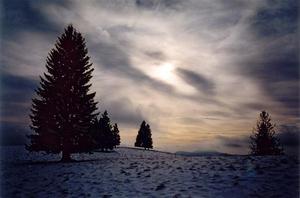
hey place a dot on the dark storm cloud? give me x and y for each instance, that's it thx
(278, 19)
(156, 55)
(287, 94)
(154, 4)
(25, 15)
(279, 80)
(16, 93)
(12, 133)
(289, 135)
(13, 82)
(276, 67)
(16, 88)
(196, 80)
(14, 111)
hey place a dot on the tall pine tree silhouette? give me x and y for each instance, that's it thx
(263, 139)
(143, 138)
(63, 110)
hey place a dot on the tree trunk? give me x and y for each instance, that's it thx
(66, 156)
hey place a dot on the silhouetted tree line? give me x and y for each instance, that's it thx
(63, 114)
(64, 117)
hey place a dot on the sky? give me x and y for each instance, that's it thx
(198, 71)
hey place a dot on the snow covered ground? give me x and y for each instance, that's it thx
(139, 173)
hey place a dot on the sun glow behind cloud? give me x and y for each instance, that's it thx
(164, 72)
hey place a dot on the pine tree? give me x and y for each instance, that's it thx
(106, 140)
(97, 134)
(116, 135)
(105, 135)
(138, 142)
(263, 139)
(63, 109)
(143, 138)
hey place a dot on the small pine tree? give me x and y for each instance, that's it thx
(106, 141)
(143, 138)
(263, 139)
(105, 135)
(63, 110)
(138, 141)
(116, 135)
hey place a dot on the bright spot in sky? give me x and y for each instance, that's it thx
(164, 72)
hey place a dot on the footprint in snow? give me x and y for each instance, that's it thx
(124, 172)
(231, 167)
(147, 169)
(177, 196)
(160, 187)
(106, 196)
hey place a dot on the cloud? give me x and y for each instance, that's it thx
(19, 17)
(189, 67)
(13, 134)
(112, 57)
(15, 83)
(16, 92)
(156, 55)
(122, 110)
(289, 136)
(279, 18)
(198, 81)
(154, 4)
(275, 64)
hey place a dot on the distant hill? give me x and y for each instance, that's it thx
(139, 148)
(201, 153)
(183, 153)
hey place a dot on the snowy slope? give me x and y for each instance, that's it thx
(138, 173)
